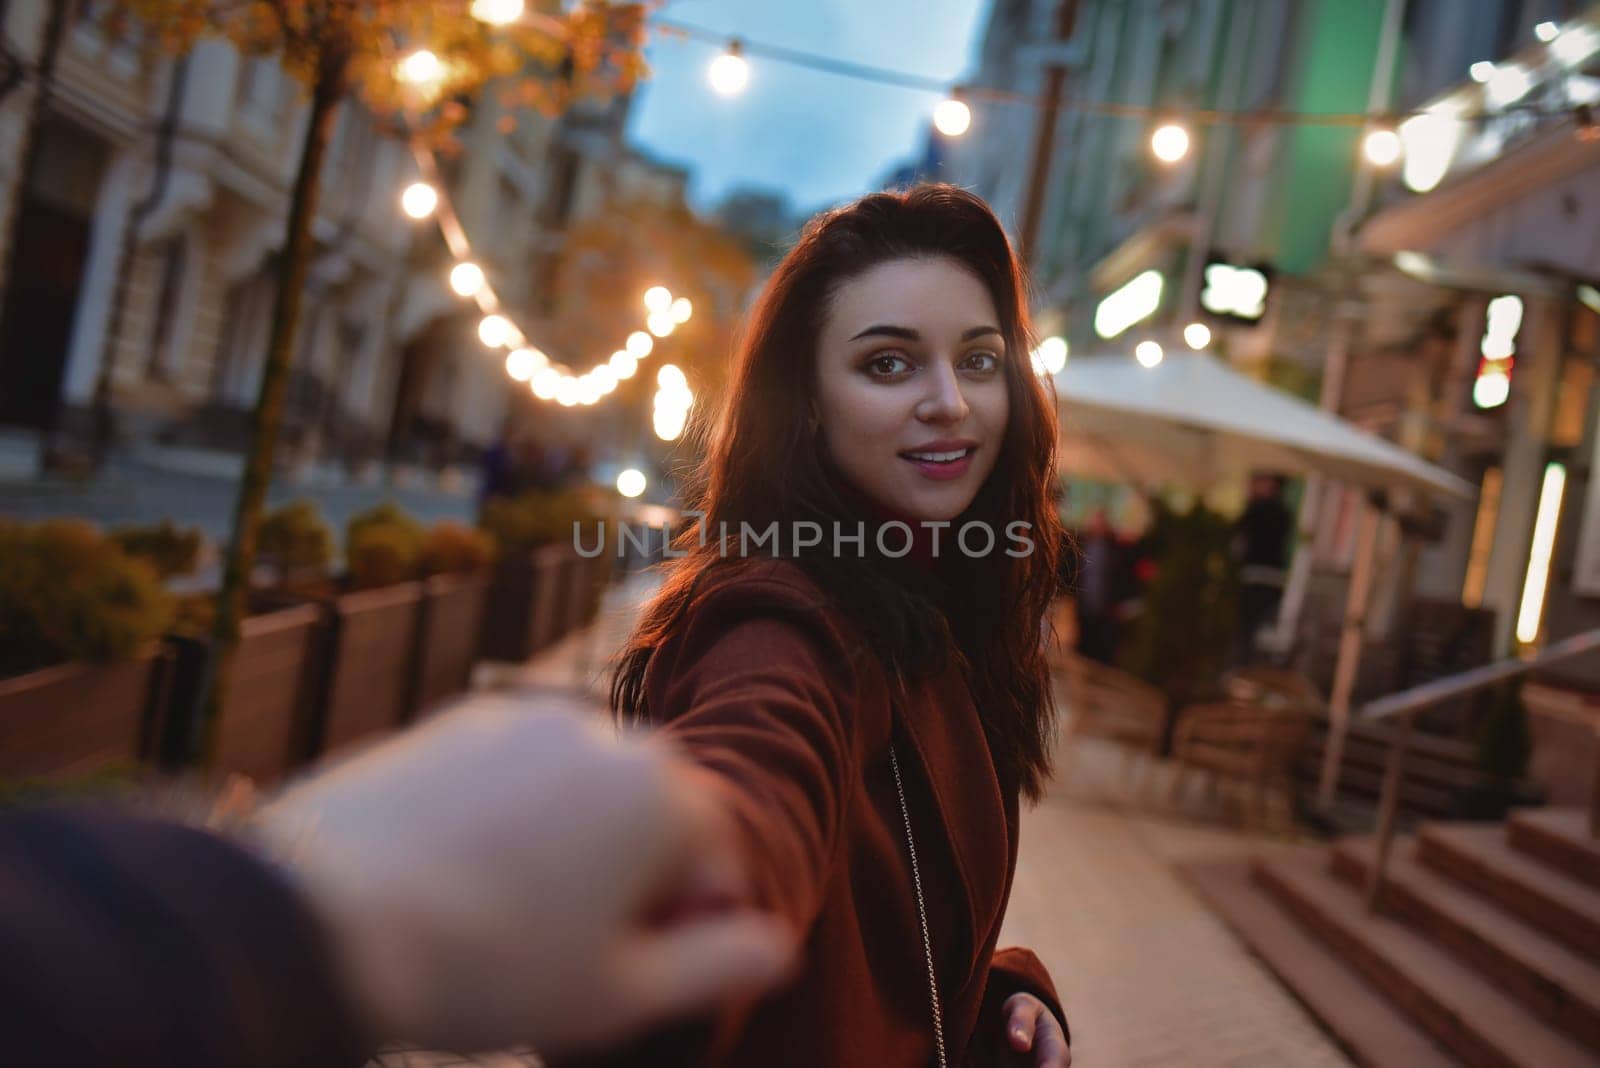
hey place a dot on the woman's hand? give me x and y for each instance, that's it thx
(1033, 1036)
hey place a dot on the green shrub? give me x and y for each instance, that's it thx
(451, 547)
(166, 548)
(382, 546)
(295, 540)
(535, 519)
(67, 592)
(1183, 637)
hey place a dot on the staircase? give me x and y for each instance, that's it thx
(1485, 949)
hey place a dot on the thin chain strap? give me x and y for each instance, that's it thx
(922, 912)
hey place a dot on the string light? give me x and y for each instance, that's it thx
(952, 117)
(494, 331)
(657, 299)
(467, 279)
(1148, 353)
(631, 483)
(497, 12)
(545, 382)
(1546, 31)
(1197, 336)
(1481, 71)
(681, 310)
(729, 73)
(421, 68)
(640, 344)
(624, 363)
(1169, 142)
(1382, 147)
(419, 200)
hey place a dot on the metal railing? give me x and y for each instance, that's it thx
(1405, 705)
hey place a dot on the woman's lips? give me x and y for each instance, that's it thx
(942, 471)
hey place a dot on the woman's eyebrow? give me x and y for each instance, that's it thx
(908, 334)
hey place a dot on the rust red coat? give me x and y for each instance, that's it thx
(780, 697)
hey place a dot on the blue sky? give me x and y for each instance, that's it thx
(818, 137)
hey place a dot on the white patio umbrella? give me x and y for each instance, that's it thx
(1192, 420)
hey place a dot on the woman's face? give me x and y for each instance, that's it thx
(911, 393)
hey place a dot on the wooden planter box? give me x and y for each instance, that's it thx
(270, 709)
(373, 637)
(448, 636)
(78, 718)
(526, 603)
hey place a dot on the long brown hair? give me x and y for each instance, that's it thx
(765, 462)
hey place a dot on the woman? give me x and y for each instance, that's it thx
(863, 683)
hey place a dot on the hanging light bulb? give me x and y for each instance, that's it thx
(544, 383)
(467, 279)
(951, 116)
(1547, 31)
(657, 299)
(681, 309)
(494, 331)
(1197, 336)
(1051, 356)
(640, 343)
(1382, 147)
(1148, 353)
(421, 68)
(523, 362)
(1481, 71)
(567, 391)
(1169, 142)
(624, 363)
(730, 73)
(419, 200)
(497, 12)
(661, 323)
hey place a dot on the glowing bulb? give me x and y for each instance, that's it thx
(952, 117)
(1170, 142)
(1547, 31)
(669, 425)
(729, 73)
(661, 323)
(640, 343)
(421, 67)
(494, 331)
(544, 382)
(1430, 141)
(1052, 354)
(497, 12)
(624, 364)
(419, 200)
(631, 482)
(1481, 71)
(604, 378)
(521, 363)
(567, 392)
(1197, 336)
(1491, 390)
(588, 390)
(467, 279)
(657, 299)
(681, 310)
(1148, 353)
(1382, 147)
(670, 377)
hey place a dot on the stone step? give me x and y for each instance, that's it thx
(1561, 986)
(1464, 1012)
(1558, 837)
(1365, 1024)
(1481, 857)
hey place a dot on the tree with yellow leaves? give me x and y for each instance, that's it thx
(418, 63)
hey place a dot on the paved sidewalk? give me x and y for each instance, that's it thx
(1148, 975)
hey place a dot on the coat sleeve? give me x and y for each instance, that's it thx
(1014, 970)
(760, 693)
(132, 941)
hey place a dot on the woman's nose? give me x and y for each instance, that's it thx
(944, 402)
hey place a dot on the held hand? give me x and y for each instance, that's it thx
(1033, 1036)
(509, 875)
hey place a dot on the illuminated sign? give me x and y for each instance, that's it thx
(1235, 292)
(1134, 302)
(1498, 352)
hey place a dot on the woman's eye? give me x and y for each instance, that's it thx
(887, 364)
(982, 361)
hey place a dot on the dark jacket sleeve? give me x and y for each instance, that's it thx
(132, 941)
(1017, 971)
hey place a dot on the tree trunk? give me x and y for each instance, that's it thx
(292, 271)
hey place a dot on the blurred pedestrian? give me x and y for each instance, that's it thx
(1260, 547)
(500, 876)
(869, 718)
(1100, 589)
